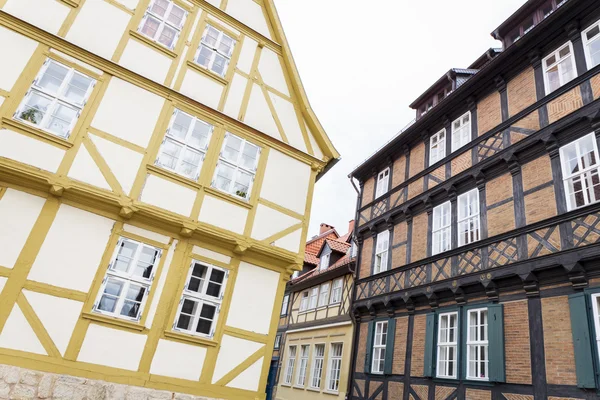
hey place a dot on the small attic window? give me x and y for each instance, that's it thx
(324, 261)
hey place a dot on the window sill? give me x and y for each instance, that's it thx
(298, 387)
(190, 338)
(139, 37)
(208, 73)
(227, 197)
(332, 393)
(286, 385)
(134, 326)
(29, 130)
(314, 389)
(173, 176)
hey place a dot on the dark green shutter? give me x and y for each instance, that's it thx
(369, 349)
(496, 343)
(429, 345)
(582, 344)
(389, 346)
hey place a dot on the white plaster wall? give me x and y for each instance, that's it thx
(232, 352)
(18, 334)
(72, 250)
(249, 379)
(250, 13)
(78, 62)
(253, 298)
(201, 88)
(315, 147)
(112, 347)
(18, 213)
(215, 3)
(99, 27)
(286, 181)
(268, 222)
(30, 151)
(201, 251)
(146, 233)
(289, 120)
(291, 241)
(128, 112)
(235, 96)
(223, 214)
(244, 63)
(178, 360)
(17, 50)
(146, 61)
(123, 162)
(258, 114)
(168, 195)
(58, 316)
(84, 169)
(271, 70)
(160, 285)
(46, 14)
(225, 25)
(131, 4)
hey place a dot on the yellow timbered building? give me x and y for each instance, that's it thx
(157, 165)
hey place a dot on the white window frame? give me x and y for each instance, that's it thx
(379, 347)
(289, 369)
(215, 50)
(382, 248)
(441, 233)
(316, 372)
(437, 150)
(277, 342)
(559, 62)
(596, 314)
(324, 295)
(324, 263)
(56, 99)
(237, 167)
(185, 145)
(383, 182)
(304, 301)
(444, 342)
(284, 305)
(302, 367)
(584, 174)
(471, 219)
(334, 368)
(201, 298)
(128, 279)
(461, 135)
(478, 343)
(313, 298)
(163, 23)
(336, 291)
(587, 42)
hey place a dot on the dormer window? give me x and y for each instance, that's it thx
(532, 20)
(324, 261)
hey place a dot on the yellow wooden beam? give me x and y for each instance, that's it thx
(38, 327)
(244, 365)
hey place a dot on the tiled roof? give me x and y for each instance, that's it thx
(313, 246)
(311, 259)
(338, 246)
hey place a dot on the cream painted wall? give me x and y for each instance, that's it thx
(286, 182)
(47, 14)
(231, 353)
(247, 55)
(145, 61)
(190, 360)
(211, 254)
(160, 285)
(250, 13)
(30, 151)
(248, 380)
(168, 195)
(17, 50)
(258, 115)
(112, 347)
(225, 215)
(271, 70)
(202, 88)
(235, 96)
(18, 335)
(268, 222)
(289, 120)
(84, 169)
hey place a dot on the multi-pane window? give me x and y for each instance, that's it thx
(301, 380)
(312, 301)
(289, 369)
(579, 161)
(477, 344)
(441, 230)
(237, 165)
(201, 300)
(324, 262)
(381, 252)
(184, 148)
(317, 367)
(437, 147)
(591, 42)
(215, 50)
(304, 301)
(324, 295)
(335, 367)
(277, 341)
(162, 22)
(284, 306)
(461, 131)
(447, 345)
(383, 181)
(559, 68)
(468, 217)
(379, 344)
(128, 279)
(55, 99)
(336, 291)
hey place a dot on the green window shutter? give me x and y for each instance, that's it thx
(389, 346)
(429, 345)
(369, 349)
(496, 343)
(582, 344)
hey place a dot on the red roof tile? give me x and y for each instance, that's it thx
(336, 245)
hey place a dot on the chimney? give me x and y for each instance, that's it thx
(324, 228)
(350, 226)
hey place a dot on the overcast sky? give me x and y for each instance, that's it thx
(363, 62)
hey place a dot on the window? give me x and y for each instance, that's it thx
(295, 274)
(277, 341)
(461, 131)
(437, 147)
(54, 101)
(314, 293)
(303, 364)
(184, 148)
(236, 167)
(336, 291)
(201, 300)
(215, 50)
(441, 231)
(559, 68)
(304, 301)
(335, 367)
(447, 345)
(468, 217)
(579, 161)
(477, 344)
(284, 306)
(289, 370)
(383, 179)
(324, 263)
(317, 367)
(591, 42)
(381, 252)
(379, 344)
(596, 317)
(324, 295)
(128, 279)
(163, 22)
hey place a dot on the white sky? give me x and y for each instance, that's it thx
(363, 62)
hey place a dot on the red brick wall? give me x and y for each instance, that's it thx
(362, 347)
(367, 193)
(530, 121)
(418, 345)
(400, 345)
(536, 172)
(415, 188)
(540, 205)
(474, 394)
(502, 218)
(439, 173)
(558, 341)
(595, 81)
(366, 257)
(417, 159)
(521, 91)
(489, 113)
(419, 237)
(395, 390)
(399, 253)
(565, 105)
(399, 171)
(461, 163)
(516, 342)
